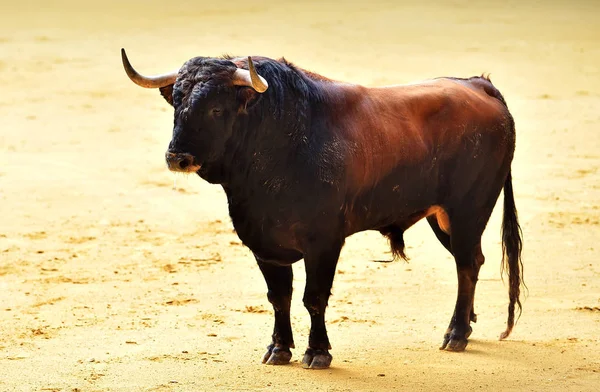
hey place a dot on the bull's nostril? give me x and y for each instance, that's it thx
(184, 163)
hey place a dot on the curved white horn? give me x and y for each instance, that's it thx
(147, 81)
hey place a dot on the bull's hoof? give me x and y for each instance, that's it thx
(454, 341)
(316, 359)
(277, 355)
(455, 345)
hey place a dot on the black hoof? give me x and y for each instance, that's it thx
(316, 359)
(453, 341)
(277, 355)
(455, 345)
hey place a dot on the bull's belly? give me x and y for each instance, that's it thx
(392, 202)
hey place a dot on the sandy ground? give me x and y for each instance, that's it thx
(112, 280)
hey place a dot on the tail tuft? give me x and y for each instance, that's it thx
(396, 237)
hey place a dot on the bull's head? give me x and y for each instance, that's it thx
(208, 95)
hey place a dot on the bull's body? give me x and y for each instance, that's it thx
(381, 159)
(311, 161)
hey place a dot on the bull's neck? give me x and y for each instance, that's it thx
(297, 145)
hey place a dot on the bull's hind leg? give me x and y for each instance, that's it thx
(467, 270)
(444, 239)
(468, 262)
(279, 283)
(465, 244)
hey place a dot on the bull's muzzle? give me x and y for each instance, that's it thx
(181, 162)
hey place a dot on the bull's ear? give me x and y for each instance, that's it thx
(167, 93)
(247, 97)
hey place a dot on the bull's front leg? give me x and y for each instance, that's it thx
(320, 270)
(279, 284)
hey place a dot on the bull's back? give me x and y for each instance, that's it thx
(406, 125)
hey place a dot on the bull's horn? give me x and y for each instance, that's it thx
(157, 81)
(249, 77)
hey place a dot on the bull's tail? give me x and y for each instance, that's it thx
(512, 245)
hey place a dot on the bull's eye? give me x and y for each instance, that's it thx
(216, 111)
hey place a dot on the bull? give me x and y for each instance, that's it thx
(306, 161)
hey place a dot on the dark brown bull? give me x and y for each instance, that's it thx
(306, 161)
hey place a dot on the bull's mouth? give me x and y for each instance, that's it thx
(182, 162)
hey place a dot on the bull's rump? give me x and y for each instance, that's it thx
(426, 144)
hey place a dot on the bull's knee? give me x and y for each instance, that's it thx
(278, 300)
(314, 303)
